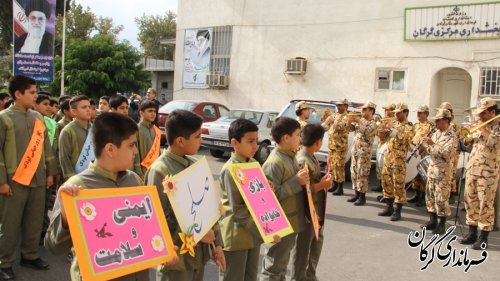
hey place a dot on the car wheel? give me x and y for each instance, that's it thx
(262, 153)
(216, 153)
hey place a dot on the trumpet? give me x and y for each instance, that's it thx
(384, 120)
(481, 124)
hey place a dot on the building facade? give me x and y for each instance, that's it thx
(383, 51)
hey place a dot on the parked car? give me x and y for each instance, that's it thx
(215, 134)
(209, 111)
(318, 107)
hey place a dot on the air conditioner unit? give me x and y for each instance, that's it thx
(296, 66)
(218, 80)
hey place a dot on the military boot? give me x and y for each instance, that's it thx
(389, 209)
(354, 198)
(396, 215)
(483, 238)
(414, 198)
(471, 237)
(432, 223)
(340, 189)
(361, 200)
(333, 188)
(441, 227)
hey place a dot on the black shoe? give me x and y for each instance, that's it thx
(7, 274)
(471, 237)
(389, 209)
(37, 264)
(483, 239)
(421, 200)
(381, 199)
(340, 189)
(396, 215)
(414, 199)
(354, 198)
(432, 223)
(361, 200)
(441, 227)
(333, 188)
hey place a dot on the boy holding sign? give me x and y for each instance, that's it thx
(308, 249)
(148, 139)
(75, 146)
(115, 144)
(240, 235)
(183, 130)
(282, 171)
(27, 167)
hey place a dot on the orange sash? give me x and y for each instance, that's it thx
(31, 158)
(154, 151)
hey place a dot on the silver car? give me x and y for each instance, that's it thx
(215, 134)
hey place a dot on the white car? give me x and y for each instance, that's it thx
(215, 134)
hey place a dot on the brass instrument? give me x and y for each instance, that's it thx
(384, 120)
(480, 125)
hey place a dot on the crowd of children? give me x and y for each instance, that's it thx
(90, 147)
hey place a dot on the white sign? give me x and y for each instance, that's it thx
(457, 22)
(197, 48)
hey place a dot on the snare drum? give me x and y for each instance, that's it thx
(411, 168)
(423, 166)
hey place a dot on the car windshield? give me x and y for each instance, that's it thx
(316, 113)
(236, 114)
(173, 105)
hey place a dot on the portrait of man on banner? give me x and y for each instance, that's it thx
(34, 29)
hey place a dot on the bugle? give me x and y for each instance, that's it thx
(480, 125)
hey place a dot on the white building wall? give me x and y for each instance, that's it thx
(343, 41)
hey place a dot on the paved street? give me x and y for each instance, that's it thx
(359, 245)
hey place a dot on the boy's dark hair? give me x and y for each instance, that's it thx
(106, 98)
(63, 98)
(283, 126)
(111, 127)
(92, 102)
(147, 104)
(311, 133)
(181, 123)
(64, 106)
(41, 97)
(73, 102)
(3, 95)
(116, 100)
(53, 102)
(240, 127)
(19, 83)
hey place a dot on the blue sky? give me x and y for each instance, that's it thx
(125, 11)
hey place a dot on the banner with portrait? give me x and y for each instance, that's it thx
(34, 32)
(197, 48)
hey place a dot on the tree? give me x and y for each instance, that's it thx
(153, 29)
(101, 66)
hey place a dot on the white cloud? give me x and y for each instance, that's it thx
(125, 11)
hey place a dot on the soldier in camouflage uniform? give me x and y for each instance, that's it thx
(383, 134)
(302, 110)
(422, 129)
(456, 128)
(366, 129)
(482, 176)
(394, 169)
(440, 146)
(336, 124)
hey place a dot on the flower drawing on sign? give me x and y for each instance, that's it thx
(157, 243)
(188, 241)
(241, 175)
(88, 211)
(169, 186)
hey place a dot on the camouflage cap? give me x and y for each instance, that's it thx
(390, 106)
(484, 104)
(370, 105)
(302, 105)
(442, 113)
(446, 105)
(400, 107)
(423, 108)
(342, 101)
